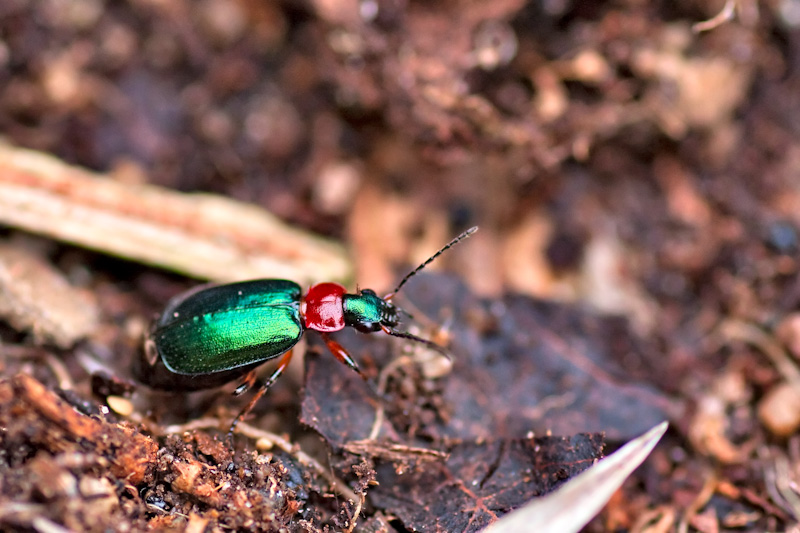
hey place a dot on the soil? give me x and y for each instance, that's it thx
(631, 174)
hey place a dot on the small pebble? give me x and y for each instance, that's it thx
(779, 410)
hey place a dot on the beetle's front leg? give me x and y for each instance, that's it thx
(341, 354)
(248, 381)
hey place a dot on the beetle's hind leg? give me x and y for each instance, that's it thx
(282, 364)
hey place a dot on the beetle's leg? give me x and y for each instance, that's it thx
(341, 354)
(282, 364)
(248, 381)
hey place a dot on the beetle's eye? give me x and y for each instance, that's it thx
(368, 327)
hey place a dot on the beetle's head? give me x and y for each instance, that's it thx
(368, 312)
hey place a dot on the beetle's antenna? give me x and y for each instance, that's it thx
(410, 336)
(447, 246)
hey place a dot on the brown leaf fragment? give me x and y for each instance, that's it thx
(523, 365)
(481, 481)
(520, 365)
(203, 235)
(35, 297)
(337, 402)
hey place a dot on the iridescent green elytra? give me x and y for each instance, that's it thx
(229, 326)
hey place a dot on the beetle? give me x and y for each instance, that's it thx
(214, 334)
